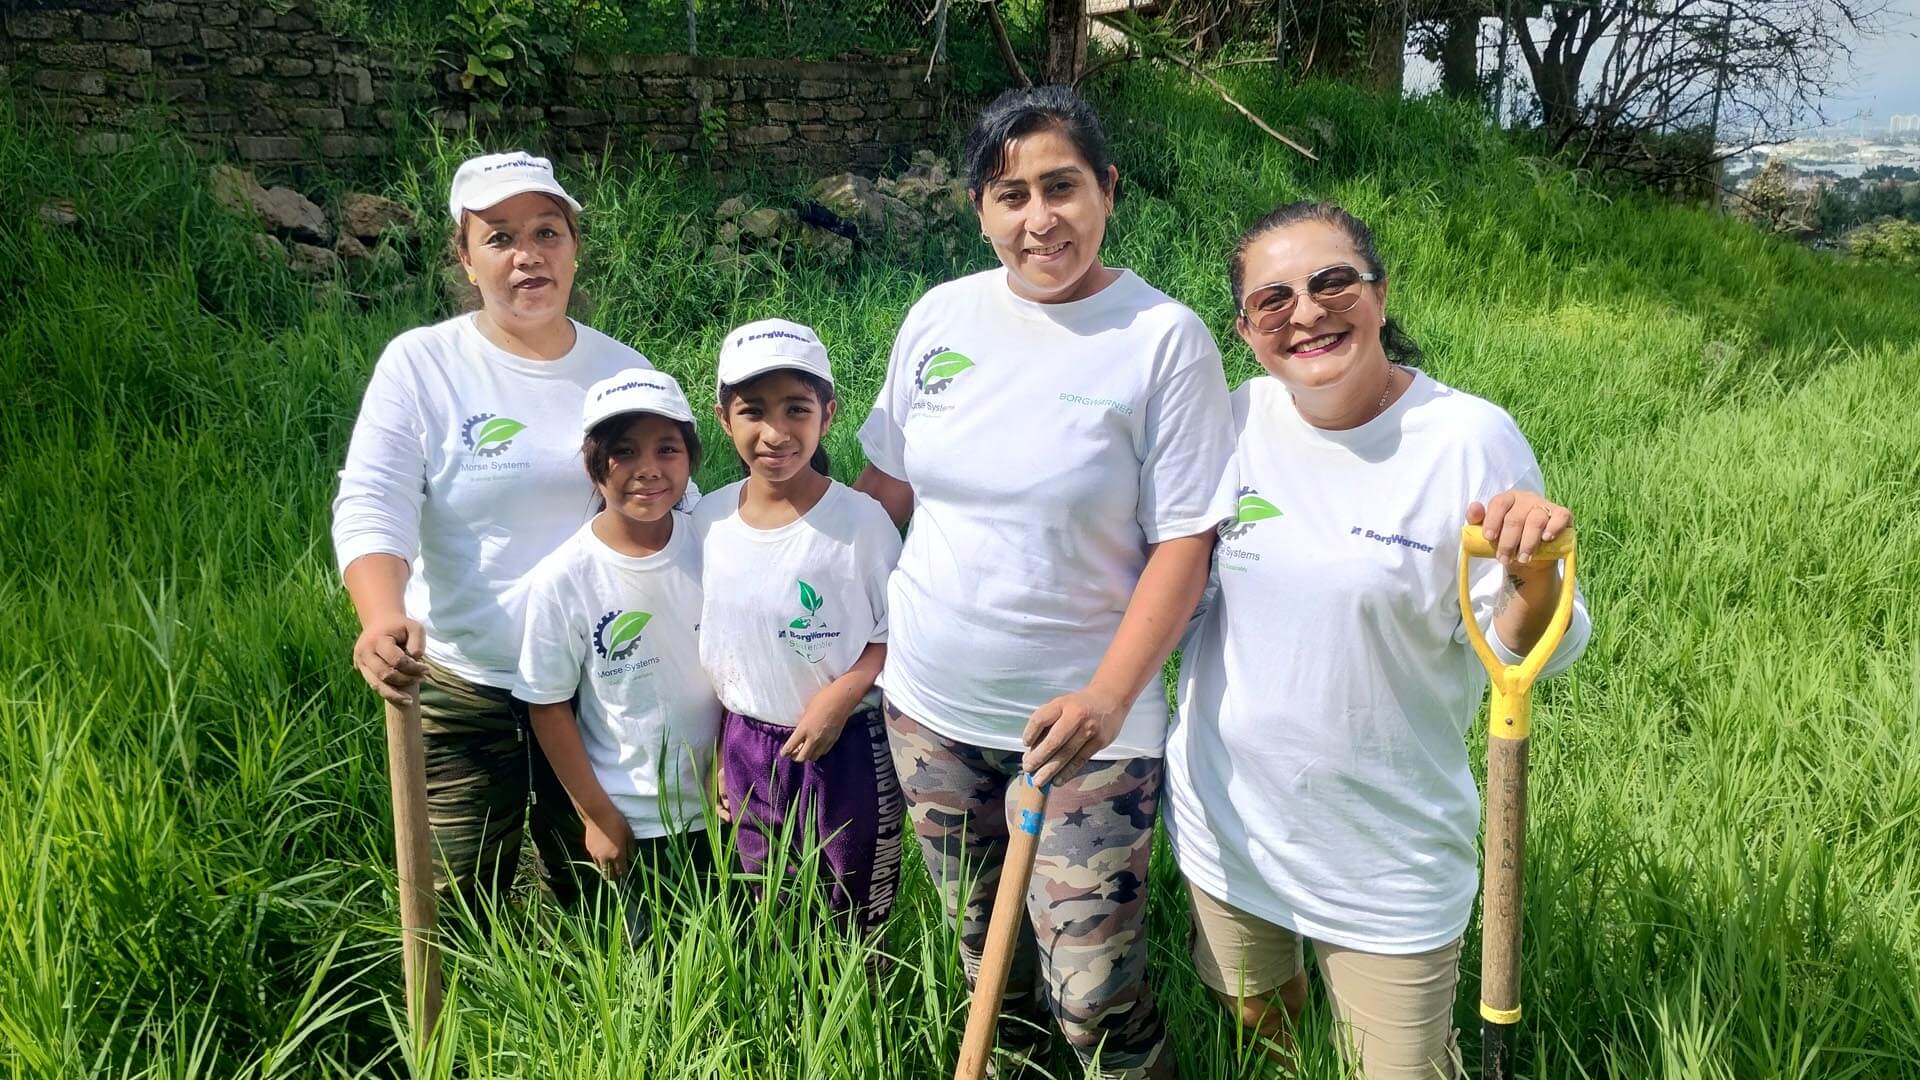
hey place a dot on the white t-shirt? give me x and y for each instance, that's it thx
(1317, 769)
(789, 610)
(465, 461)
(623, 632)
(1047, 446)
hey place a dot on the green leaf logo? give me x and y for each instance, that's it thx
(947, 365)
(497, 430)
(810, 599)
(1254, 508)
(800, 623)
(626, 629)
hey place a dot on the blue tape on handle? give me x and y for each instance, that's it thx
(1030, 822)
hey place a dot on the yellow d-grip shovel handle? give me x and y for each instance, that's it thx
(1510, 711)
(1508, 720)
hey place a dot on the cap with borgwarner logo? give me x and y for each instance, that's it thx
(491, 179)
(772, 345)
(635, 390)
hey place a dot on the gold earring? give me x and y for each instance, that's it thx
(576, 264)
(472, 279)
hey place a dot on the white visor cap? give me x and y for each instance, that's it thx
(635, 390)
(491, 179)
(771, 345)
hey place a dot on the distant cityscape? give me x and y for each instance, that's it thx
(1838, 155)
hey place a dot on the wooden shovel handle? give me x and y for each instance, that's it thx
(1027, 807)
(413, 855)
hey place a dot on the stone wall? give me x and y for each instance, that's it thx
(274, 87)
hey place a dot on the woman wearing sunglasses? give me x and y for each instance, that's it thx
(1318, 787)
(1056, 427)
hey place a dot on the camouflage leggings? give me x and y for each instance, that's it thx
(1088, 901)
(484, 768)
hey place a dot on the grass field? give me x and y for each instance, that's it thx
(195, 868)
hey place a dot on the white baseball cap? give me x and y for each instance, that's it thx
(771, 345)
(491, 179)
(635, 390)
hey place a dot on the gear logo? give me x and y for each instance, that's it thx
(617, 636)
(489, 435)
(938, 369)
(1250, 511)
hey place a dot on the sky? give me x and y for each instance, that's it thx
(1887, 74)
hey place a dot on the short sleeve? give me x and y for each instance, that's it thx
(553, 648)
(1188, 439)
(879, 552)
(383, 482)
(1515, 467)
(883, 437)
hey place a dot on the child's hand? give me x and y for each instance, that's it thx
(610, 845)
(721, 806)
(819, 727)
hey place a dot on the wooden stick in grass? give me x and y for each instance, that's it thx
(420, 956)
(1029, 807)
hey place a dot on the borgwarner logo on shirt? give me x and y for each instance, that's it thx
(489, 435)
(809, 636)
(1251, 510)
(938, 368)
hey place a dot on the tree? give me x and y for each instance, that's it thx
(1066, 42)
(1616, 79)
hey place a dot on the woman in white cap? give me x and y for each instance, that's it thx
(1057, 428)
(613, 619)
(463, 472)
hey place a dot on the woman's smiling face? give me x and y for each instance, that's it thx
(1046, 214)
(1314, 348)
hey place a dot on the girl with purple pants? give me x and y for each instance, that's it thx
(793, 628)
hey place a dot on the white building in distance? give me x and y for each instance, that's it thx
(1903, 123)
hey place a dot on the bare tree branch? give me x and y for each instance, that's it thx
(1004, 44)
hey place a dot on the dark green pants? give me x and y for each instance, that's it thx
(487, 782)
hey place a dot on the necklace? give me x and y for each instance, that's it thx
(1381, 405)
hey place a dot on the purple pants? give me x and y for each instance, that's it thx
(850, 798)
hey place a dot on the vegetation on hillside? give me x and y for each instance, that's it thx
(1724, 875)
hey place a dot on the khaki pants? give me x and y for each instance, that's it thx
(1393, 1015)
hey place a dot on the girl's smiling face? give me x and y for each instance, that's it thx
(776, 422)
(648, 467)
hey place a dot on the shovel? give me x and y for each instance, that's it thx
(1506, 837)
(1029, 805)
(419, 955)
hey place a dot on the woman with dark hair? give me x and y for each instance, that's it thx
(1056, 429)
(1317, 775)
(463, 473)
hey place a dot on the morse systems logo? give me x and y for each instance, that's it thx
(618, 634)
(488, 435)
(938, 369)
(1251, 510)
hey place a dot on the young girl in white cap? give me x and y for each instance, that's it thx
(794, 627)
(462, 474)
(612, 622)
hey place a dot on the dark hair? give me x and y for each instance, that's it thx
(1023, 112)
(594, 449)
(822, 393)
(1400, 348)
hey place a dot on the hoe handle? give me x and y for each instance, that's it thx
(1508, 725)
(420, 956)
(1027, 805)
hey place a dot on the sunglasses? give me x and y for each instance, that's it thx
(1335, 288)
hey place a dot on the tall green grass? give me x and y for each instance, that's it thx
(196, 882)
